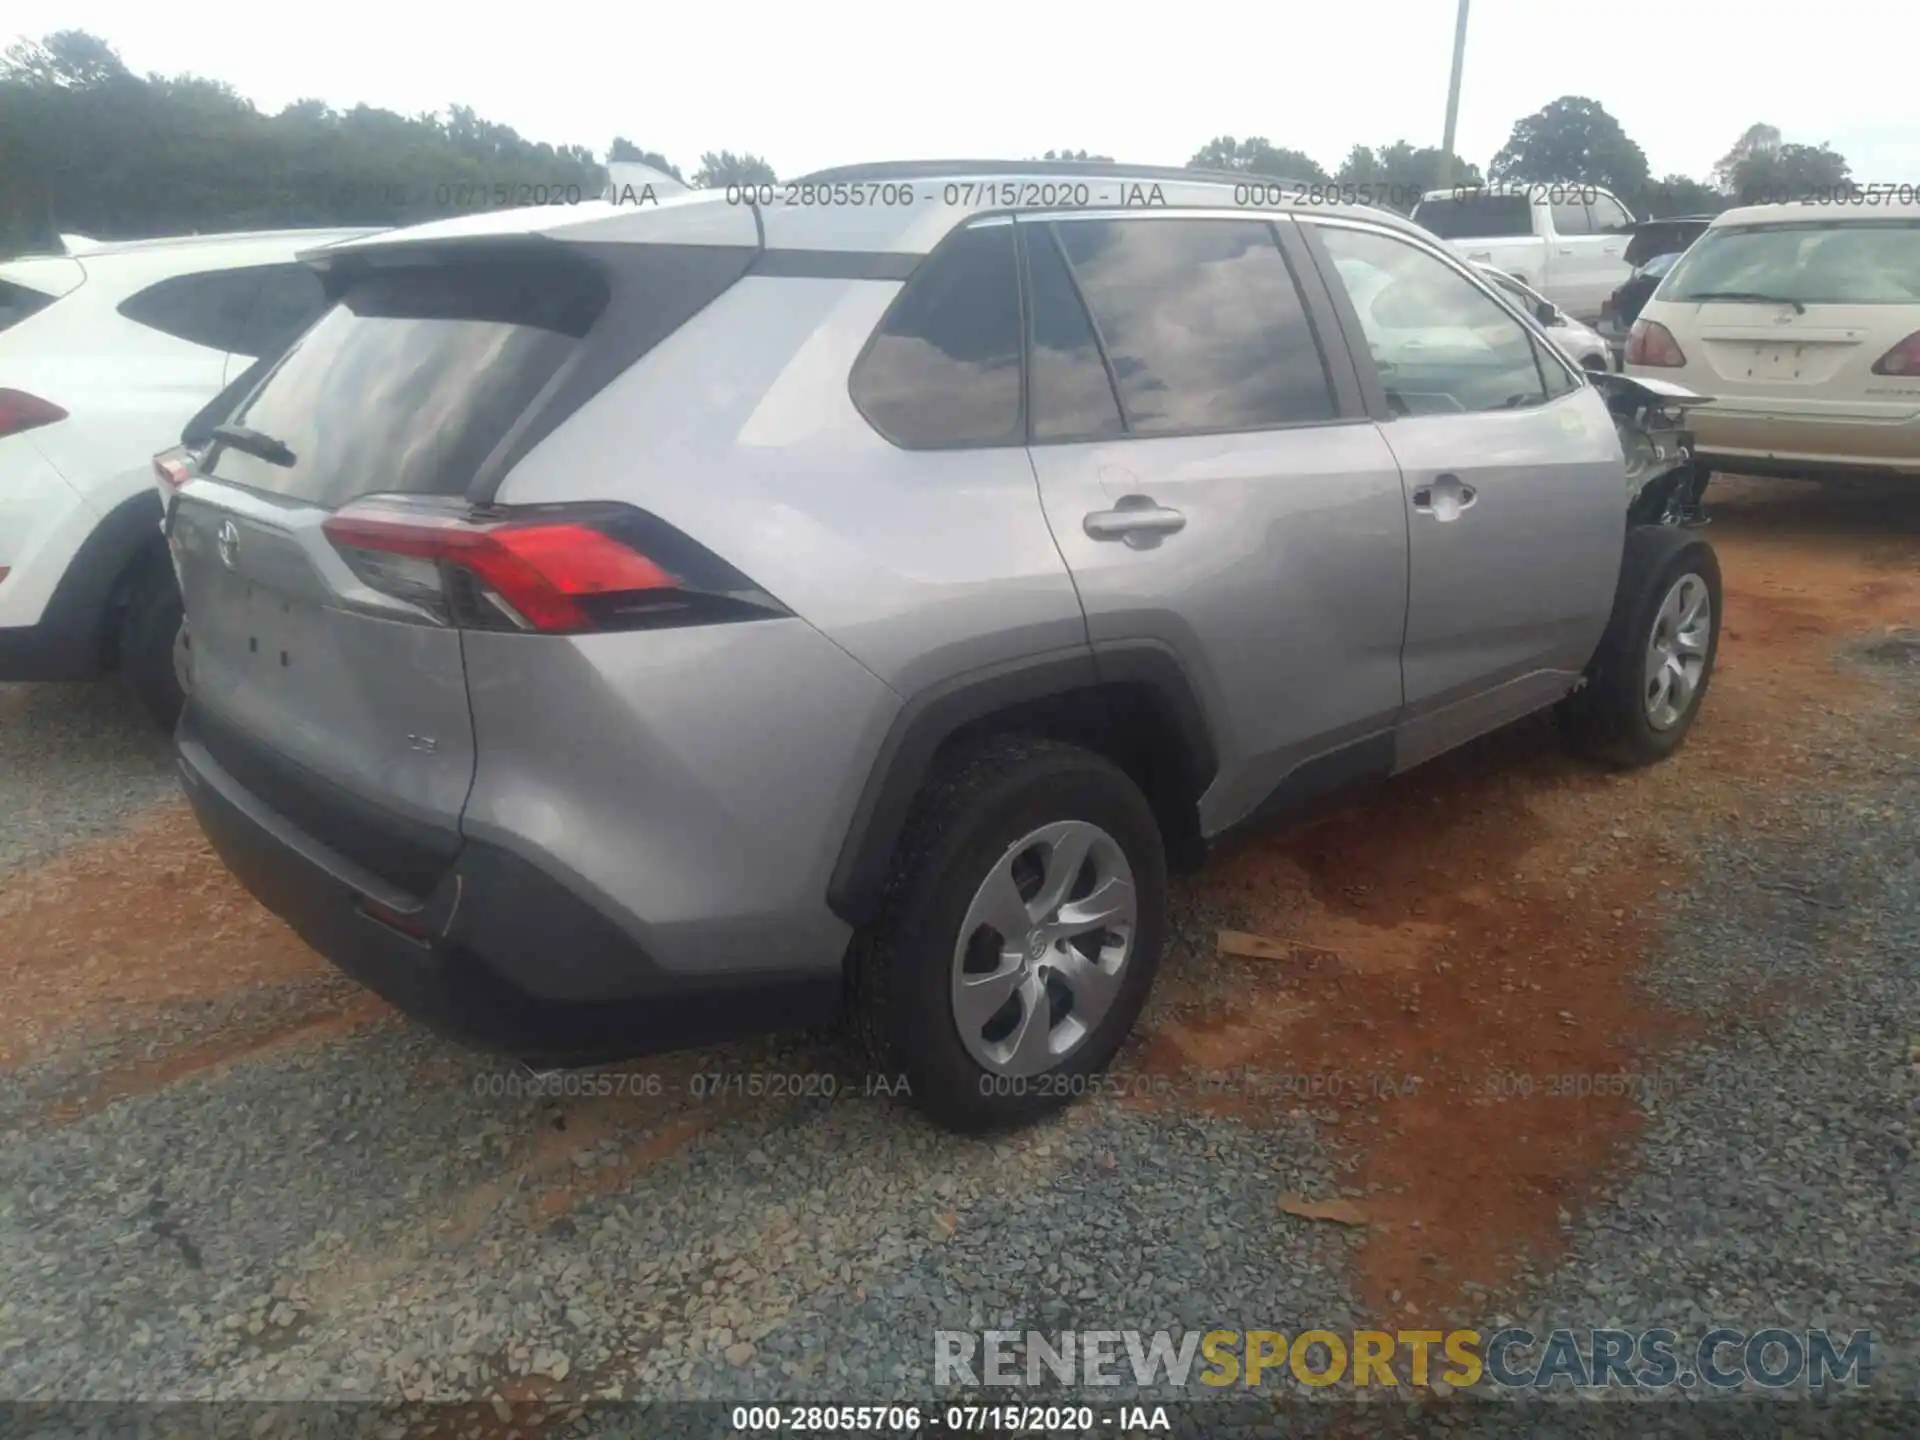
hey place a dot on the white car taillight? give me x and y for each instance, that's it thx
(20, 411)
(1902, 359)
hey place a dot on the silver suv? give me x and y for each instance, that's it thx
(619, 627)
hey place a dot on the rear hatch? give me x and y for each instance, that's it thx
(338, 534)
(1795, 318)
(340, 704)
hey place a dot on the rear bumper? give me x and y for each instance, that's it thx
(472, 959)
(1755, 441)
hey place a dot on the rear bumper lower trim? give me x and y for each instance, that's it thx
(494, 933)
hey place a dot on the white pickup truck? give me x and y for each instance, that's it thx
(1568, 241)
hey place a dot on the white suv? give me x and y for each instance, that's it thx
(105, 353)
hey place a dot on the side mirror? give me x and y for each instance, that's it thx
(1547, 313)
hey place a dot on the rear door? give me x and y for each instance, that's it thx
(1217, 490)
(1514, 496)
(325, 695)
(1845, 293)
(1586, 261)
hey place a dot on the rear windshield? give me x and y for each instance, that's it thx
(17, 302)
(412, 378)
(1861, 262)
(1476, 217)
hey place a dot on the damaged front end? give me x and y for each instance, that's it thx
(1664, 484)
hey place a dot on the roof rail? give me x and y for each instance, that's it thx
(934, 169)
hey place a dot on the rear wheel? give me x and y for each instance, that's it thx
(1655, 661)
(152, 641)
(1021, 929)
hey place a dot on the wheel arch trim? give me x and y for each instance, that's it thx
(933, 715)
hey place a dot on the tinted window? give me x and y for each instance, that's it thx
(1871, 262)
(1202, 323)
(413, 377)
(1442, 345)
(944, 367)
(1609, 215)
(17, 302)
(1571, 219)
(289, 300)
(1068, 385)
(212, 309)
(1476, 216)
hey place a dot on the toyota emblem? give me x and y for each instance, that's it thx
(227, 538)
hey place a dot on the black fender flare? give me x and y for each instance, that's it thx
(934, 715)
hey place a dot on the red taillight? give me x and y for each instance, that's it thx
(1902, 359)
(21, 411)
(1651, 343)
(172, 473)
(558, 570)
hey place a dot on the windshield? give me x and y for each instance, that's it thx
(1816, 263)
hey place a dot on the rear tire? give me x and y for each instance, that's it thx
(986, 812)
(1651, 671)
(150, 630)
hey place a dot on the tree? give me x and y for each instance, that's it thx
(1400, 173)
(1572, 138)
(1790, 172)
(624, 150)
(1676, 195)
(66, 59)
(717, 171)
(1755, 141)
(87, 147)
(1073, 155)
(1257, 156)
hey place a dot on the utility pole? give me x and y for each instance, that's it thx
(1453, 96)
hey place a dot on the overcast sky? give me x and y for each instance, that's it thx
(838, 81)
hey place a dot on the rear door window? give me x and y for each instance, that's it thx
(1610, 217)
(1474, 216)
(943, 369)
(213, 308)
(1571, 218)
(1836, 262)
(1203, 326)
(1070, 388)
(409, 382)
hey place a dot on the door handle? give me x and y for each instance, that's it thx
(1445, 498)
(1480, 255)
(1566, 249)
(1135, 519)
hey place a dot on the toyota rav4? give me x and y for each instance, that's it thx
(619, 628)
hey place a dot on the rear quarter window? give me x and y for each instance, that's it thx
(213, 308)
(17, 302)
(943, 369)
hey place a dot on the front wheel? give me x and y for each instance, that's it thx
(1022, 926)
(1654, 663)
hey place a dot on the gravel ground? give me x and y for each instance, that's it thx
(75, 760)
(370, 1218)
